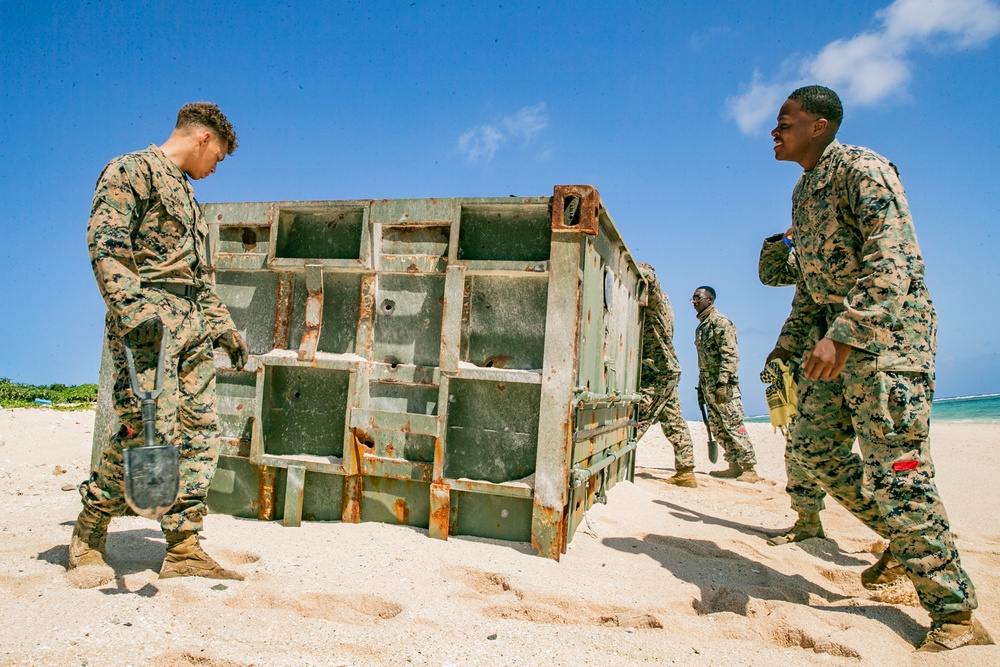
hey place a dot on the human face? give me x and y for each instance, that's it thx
(210, 151)
(701, 300)
(796, 133)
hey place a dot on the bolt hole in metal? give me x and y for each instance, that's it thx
(496, 361)
(387, 307)
(571, 208)
(249, 238)
(393, 362)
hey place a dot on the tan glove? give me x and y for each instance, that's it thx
(233, 344)
(721, 394)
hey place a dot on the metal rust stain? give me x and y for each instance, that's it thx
(366, 310)
(352, 499)
(440, 515)
(585, 213)
(313, 322)
(283, 311)
(265, 507)
(551, 543)
(401, 511)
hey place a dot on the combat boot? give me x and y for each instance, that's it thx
(683, 477)
(734, 471)
(955, 631)
(186, 558)
(749, 475)
(807, 526)
(885, 571)
(86, 546)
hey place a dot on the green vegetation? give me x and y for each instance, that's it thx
(15, 395)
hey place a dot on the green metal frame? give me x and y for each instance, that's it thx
(469, 366)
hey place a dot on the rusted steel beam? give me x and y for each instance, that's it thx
(440, 515)
(314, 313)
(555, 415)
(265, 507)
(295, 486)
(283, 310)
(365, 340)
(576, 208)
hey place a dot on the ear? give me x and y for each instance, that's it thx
(819, 126)
(203, 137)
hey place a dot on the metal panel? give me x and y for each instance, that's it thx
(466, 365)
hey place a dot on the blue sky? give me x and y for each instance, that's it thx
(664, 107)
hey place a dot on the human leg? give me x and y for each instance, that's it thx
(822, 441)
(198, 439)
(807, 501)
(892, 418)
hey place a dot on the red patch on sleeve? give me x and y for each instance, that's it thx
(741, 430)
(899, 466)
(130, 432)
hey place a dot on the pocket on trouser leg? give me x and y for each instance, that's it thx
(893, 422)
(896, 408)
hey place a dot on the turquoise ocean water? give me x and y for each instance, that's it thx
(984, 409)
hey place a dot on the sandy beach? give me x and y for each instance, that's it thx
(660, 575)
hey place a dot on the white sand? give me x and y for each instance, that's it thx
(661, 575)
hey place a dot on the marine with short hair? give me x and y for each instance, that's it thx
(863, 317)
(148, 248)
(719, 384)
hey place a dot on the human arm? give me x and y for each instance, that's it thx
(776, 266)
(885, 262)
(117, 208)
(729, 358)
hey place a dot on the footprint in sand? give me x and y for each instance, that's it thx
(551, 610)
(353, 609)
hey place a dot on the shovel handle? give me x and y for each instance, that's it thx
(147, 398)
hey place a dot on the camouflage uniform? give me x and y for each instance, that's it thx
(661, 374)
(146, 235)
(862, 285)
(777, 268)
(718, 360)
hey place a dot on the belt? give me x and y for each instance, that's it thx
(180, 289)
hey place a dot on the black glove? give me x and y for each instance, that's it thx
(146, 333)
(233, 344)
(779, 353)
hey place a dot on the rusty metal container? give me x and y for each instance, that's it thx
(464, 365)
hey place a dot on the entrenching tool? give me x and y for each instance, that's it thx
(713, 446)
(152, 471)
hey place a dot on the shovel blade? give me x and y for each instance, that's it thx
(713, 451)
(152, 479)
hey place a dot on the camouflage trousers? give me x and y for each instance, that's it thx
(806, 494)
(660, 402)
(890, 487)
(726, 421)
(185, 416)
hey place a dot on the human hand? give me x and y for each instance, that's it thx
(826, 360)
(721, 394)
(233, 344)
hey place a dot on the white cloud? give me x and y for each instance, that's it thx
(480, 144)
(873, 66)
